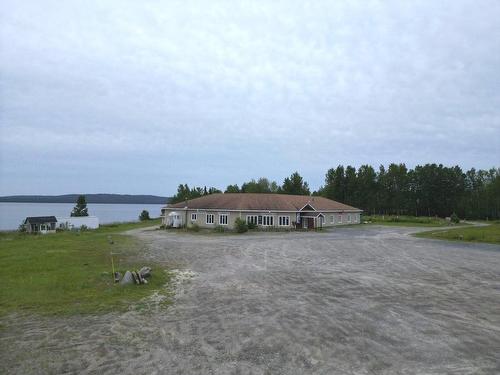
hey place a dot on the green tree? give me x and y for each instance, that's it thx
(81, 207)
(232, 189)
(144, 215)
(295, 185)
(334, 184)
(262, 185)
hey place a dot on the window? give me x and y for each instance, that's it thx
(332, 219)
(349, 218)
(252, 219)
(259, 221)
(194, 217)
(222, 219)
(339, 219)
(267, 220)
(284, 221)
(210, 218)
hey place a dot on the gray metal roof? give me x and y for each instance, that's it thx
(40, 219)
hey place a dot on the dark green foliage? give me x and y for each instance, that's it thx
(144, 215)
(251, 225)
(430, 190)
(240, 225)
(184, 193)
(454, 218)
(232, 189)
(262, 185)
(81, 207)
(295, 185)
(194, 227)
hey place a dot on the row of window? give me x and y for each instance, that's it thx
(266, 220)
(350, 219)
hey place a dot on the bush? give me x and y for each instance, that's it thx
(194, 227)
(220, 229)
(251, 225)
(240, 225)
(21, 228)
(454, 218)
(144, 215)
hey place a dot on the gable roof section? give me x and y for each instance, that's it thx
(265, 202)
(40, 219)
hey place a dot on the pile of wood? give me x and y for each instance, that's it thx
(136, 277)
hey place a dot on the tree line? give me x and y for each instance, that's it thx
(426, 190)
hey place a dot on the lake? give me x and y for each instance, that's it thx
(12, 214)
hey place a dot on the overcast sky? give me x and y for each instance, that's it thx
(137, 97)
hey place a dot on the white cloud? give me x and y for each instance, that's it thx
(277, 86)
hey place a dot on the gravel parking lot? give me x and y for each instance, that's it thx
(357, 300)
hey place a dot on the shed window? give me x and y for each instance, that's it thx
(339, 219)
(267, 221)
(194, 217)
(252, 219)
(210, 218)
(332, 219)
(284, 221)
(222, 219)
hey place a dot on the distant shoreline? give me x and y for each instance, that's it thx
(91, 198)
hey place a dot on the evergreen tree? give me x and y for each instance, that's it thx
(295, 185)
(81, 207)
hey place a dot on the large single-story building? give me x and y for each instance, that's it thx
(40, 224)
(264, 210)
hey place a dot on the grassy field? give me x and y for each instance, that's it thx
(406, 221)
(488, 234)
(70, 272)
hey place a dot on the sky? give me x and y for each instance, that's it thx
(137, 97)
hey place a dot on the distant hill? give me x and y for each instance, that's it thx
(91, 198)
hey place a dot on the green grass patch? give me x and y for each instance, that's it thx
(406, 221)
(487, 234)
(70, 272)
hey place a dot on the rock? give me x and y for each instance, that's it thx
(127, 278)
(145, 272)
(135, 277)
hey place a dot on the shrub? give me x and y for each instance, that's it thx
(454, 218)
(251, 225)
(219, 229)
(21, 228)
(240, 225)
(194, 227)
(144, 215)
(163, 226)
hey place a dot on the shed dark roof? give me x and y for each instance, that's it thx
(254, 201)
(40, 219)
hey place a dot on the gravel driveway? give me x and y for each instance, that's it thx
(358, 300)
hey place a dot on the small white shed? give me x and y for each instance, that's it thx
(174, 219)
(76, 222)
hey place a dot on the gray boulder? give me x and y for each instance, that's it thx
(145, 272)
(127, 279)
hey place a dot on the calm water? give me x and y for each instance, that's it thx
(12, 214)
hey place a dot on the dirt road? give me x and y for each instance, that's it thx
(358, 300)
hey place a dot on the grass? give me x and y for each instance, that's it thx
(406, 221)
(487, 234)
(70, 272)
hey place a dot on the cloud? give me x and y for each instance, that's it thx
(218, 93)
